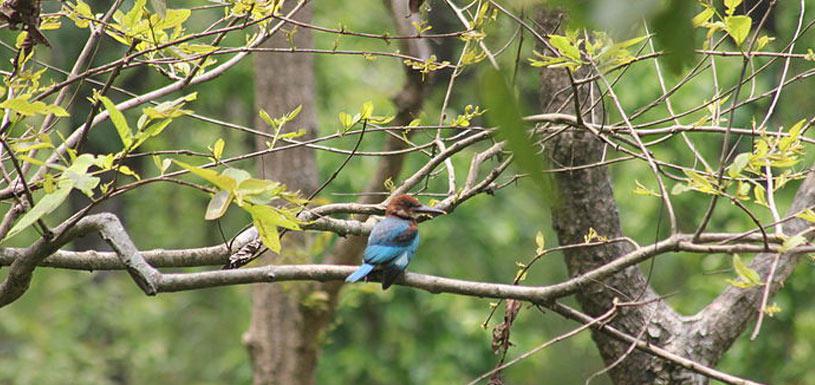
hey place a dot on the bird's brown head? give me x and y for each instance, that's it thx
(407, 207)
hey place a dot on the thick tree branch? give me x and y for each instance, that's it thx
(643, 346)
(20, 271)
(724, 319)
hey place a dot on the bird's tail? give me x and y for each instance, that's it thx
(360, 273)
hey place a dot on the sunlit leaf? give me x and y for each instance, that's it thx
(47, 204)
(218, 205)
(119, 121)
(540, 242)
(738, 27)
(747, 276)
(211, 176)
(793, 242)
(22, 106)
(218, 149)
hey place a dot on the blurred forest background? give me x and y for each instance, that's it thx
(99, 328)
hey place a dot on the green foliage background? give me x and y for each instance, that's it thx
(98, 328)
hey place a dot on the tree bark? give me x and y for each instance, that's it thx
(280, 337)
(287, 324)
(586, 201)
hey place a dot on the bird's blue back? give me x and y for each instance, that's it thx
(392, 242)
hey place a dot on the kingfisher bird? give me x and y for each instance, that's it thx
(393, 240)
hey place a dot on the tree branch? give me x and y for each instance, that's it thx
(724, 319)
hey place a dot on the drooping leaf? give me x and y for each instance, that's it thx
(266, 227)
(747, 277)
(222, 182)
(807, 215)
(793, 242)
(47, 204)
(218, 205)
(704, 16)
(22, 106)
(119, 121)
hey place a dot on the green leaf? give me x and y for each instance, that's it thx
(81, 9)
(745, 274)
(763, 41)
(293, 114)
(703, 17)
(119, 121)
(22, 106)
(124, 170)
(807, 215)
(266, 118)
(236, 175)
(367, 110)
(47, 204)
(159, 7)
(731, 5)
(346, 120)
(640, 189)
(503, 112)
(266, 226)
(738, 27)
(760, 194)
(680, 188)
(173, 18)
(222, 182)
(792, 242)
(258, 191)
(786, 142)
(700, 183)
(565, 47)
(218, 149)
(540, 242)
(738, 165)
(218, 205)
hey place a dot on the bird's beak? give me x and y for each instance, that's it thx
(429, 210)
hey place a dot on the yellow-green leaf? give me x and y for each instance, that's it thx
(218, 149)
(22, 106)
(266, 227)
(807, 215)
(565, 47)
(738, 27)
(745, 273)
(221, 181)
(792, 242)
(702, 17)
(119, 121)
(367, 110)
(47, 204)
(731, 6)
(218, 205)
(540, 242)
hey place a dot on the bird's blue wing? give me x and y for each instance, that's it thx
(390, 239)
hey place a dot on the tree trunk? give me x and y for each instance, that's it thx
(587, 202)
(280, 341)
